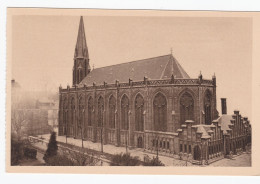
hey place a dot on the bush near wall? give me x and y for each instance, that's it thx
(30, 153)
(125, 160)
(16, 151)
(152, 162)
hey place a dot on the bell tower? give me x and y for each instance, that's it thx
(81, 66)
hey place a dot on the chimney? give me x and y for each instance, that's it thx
(224, 105)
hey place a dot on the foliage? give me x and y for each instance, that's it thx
(125, 160)
(71, 158)
(19, 123)
(52, 148)
(16, 151)
(30, 153)
(152, 162)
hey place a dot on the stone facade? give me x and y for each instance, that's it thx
(150, 104)
(75, 110)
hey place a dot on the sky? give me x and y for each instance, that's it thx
(43, 49)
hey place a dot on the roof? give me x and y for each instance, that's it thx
(204, 130)
(155, 68)
(224, 121)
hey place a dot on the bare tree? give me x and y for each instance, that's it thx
(19, 122)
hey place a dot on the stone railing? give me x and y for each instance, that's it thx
(90, 133)
(138, 139)
(147, 82)
(124, 137)
(111, 136)
(161, 141)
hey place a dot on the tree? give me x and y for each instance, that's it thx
(52, 148)
(19, 123)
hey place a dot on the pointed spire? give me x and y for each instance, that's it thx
(81, 50)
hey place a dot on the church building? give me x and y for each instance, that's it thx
(150, 104)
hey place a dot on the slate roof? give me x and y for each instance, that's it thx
(160, 67)
(224, 121)
(205, 130)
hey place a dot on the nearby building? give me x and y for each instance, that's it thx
(151, 104)
(28, 116)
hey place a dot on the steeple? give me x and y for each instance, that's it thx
(81, 58)
(81, 50)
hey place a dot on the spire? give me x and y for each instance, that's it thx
(81, 66)
(81, 50)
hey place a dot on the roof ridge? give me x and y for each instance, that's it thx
(183, 72)
(165, 67)
(132, 61)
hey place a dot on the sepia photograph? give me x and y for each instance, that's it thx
(105, 88)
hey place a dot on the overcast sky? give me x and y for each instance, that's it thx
(43, 49)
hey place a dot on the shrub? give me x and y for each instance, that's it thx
(124, 160)
(30, 153)
(16, 151)
(71, 158)
(152, 162)
(52, 148)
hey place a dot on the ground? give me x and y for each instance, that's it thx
(33, 162)
(243, 160)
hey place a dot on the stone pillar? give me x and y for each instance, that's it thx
(144, 138)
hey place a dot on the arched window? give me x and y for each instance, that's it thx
(90, 111)
(207, 108)
(124, 112)
(186, 107)
(100, 111)
(65, 115)
(72, 107)
(112, 109)
(160, 112)
(81, 111)
(139, 110)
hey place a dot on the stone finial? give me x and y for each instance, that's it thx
(145, 80)
(130, 81)
(105, 84)
(94, 84)
(200, 77)
(172, 79)
(117, 83)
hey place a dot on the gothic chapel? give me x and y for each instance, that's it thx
(148, 104)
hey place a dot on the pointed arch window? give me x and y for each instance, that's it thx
(81, 111)
(90, 111)
(207, 107)
(160, 112)
(72, 106)
(112, 109)
(139, 110)
(186, 107)
(124, 113)
(65, 115)
(100, 111)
